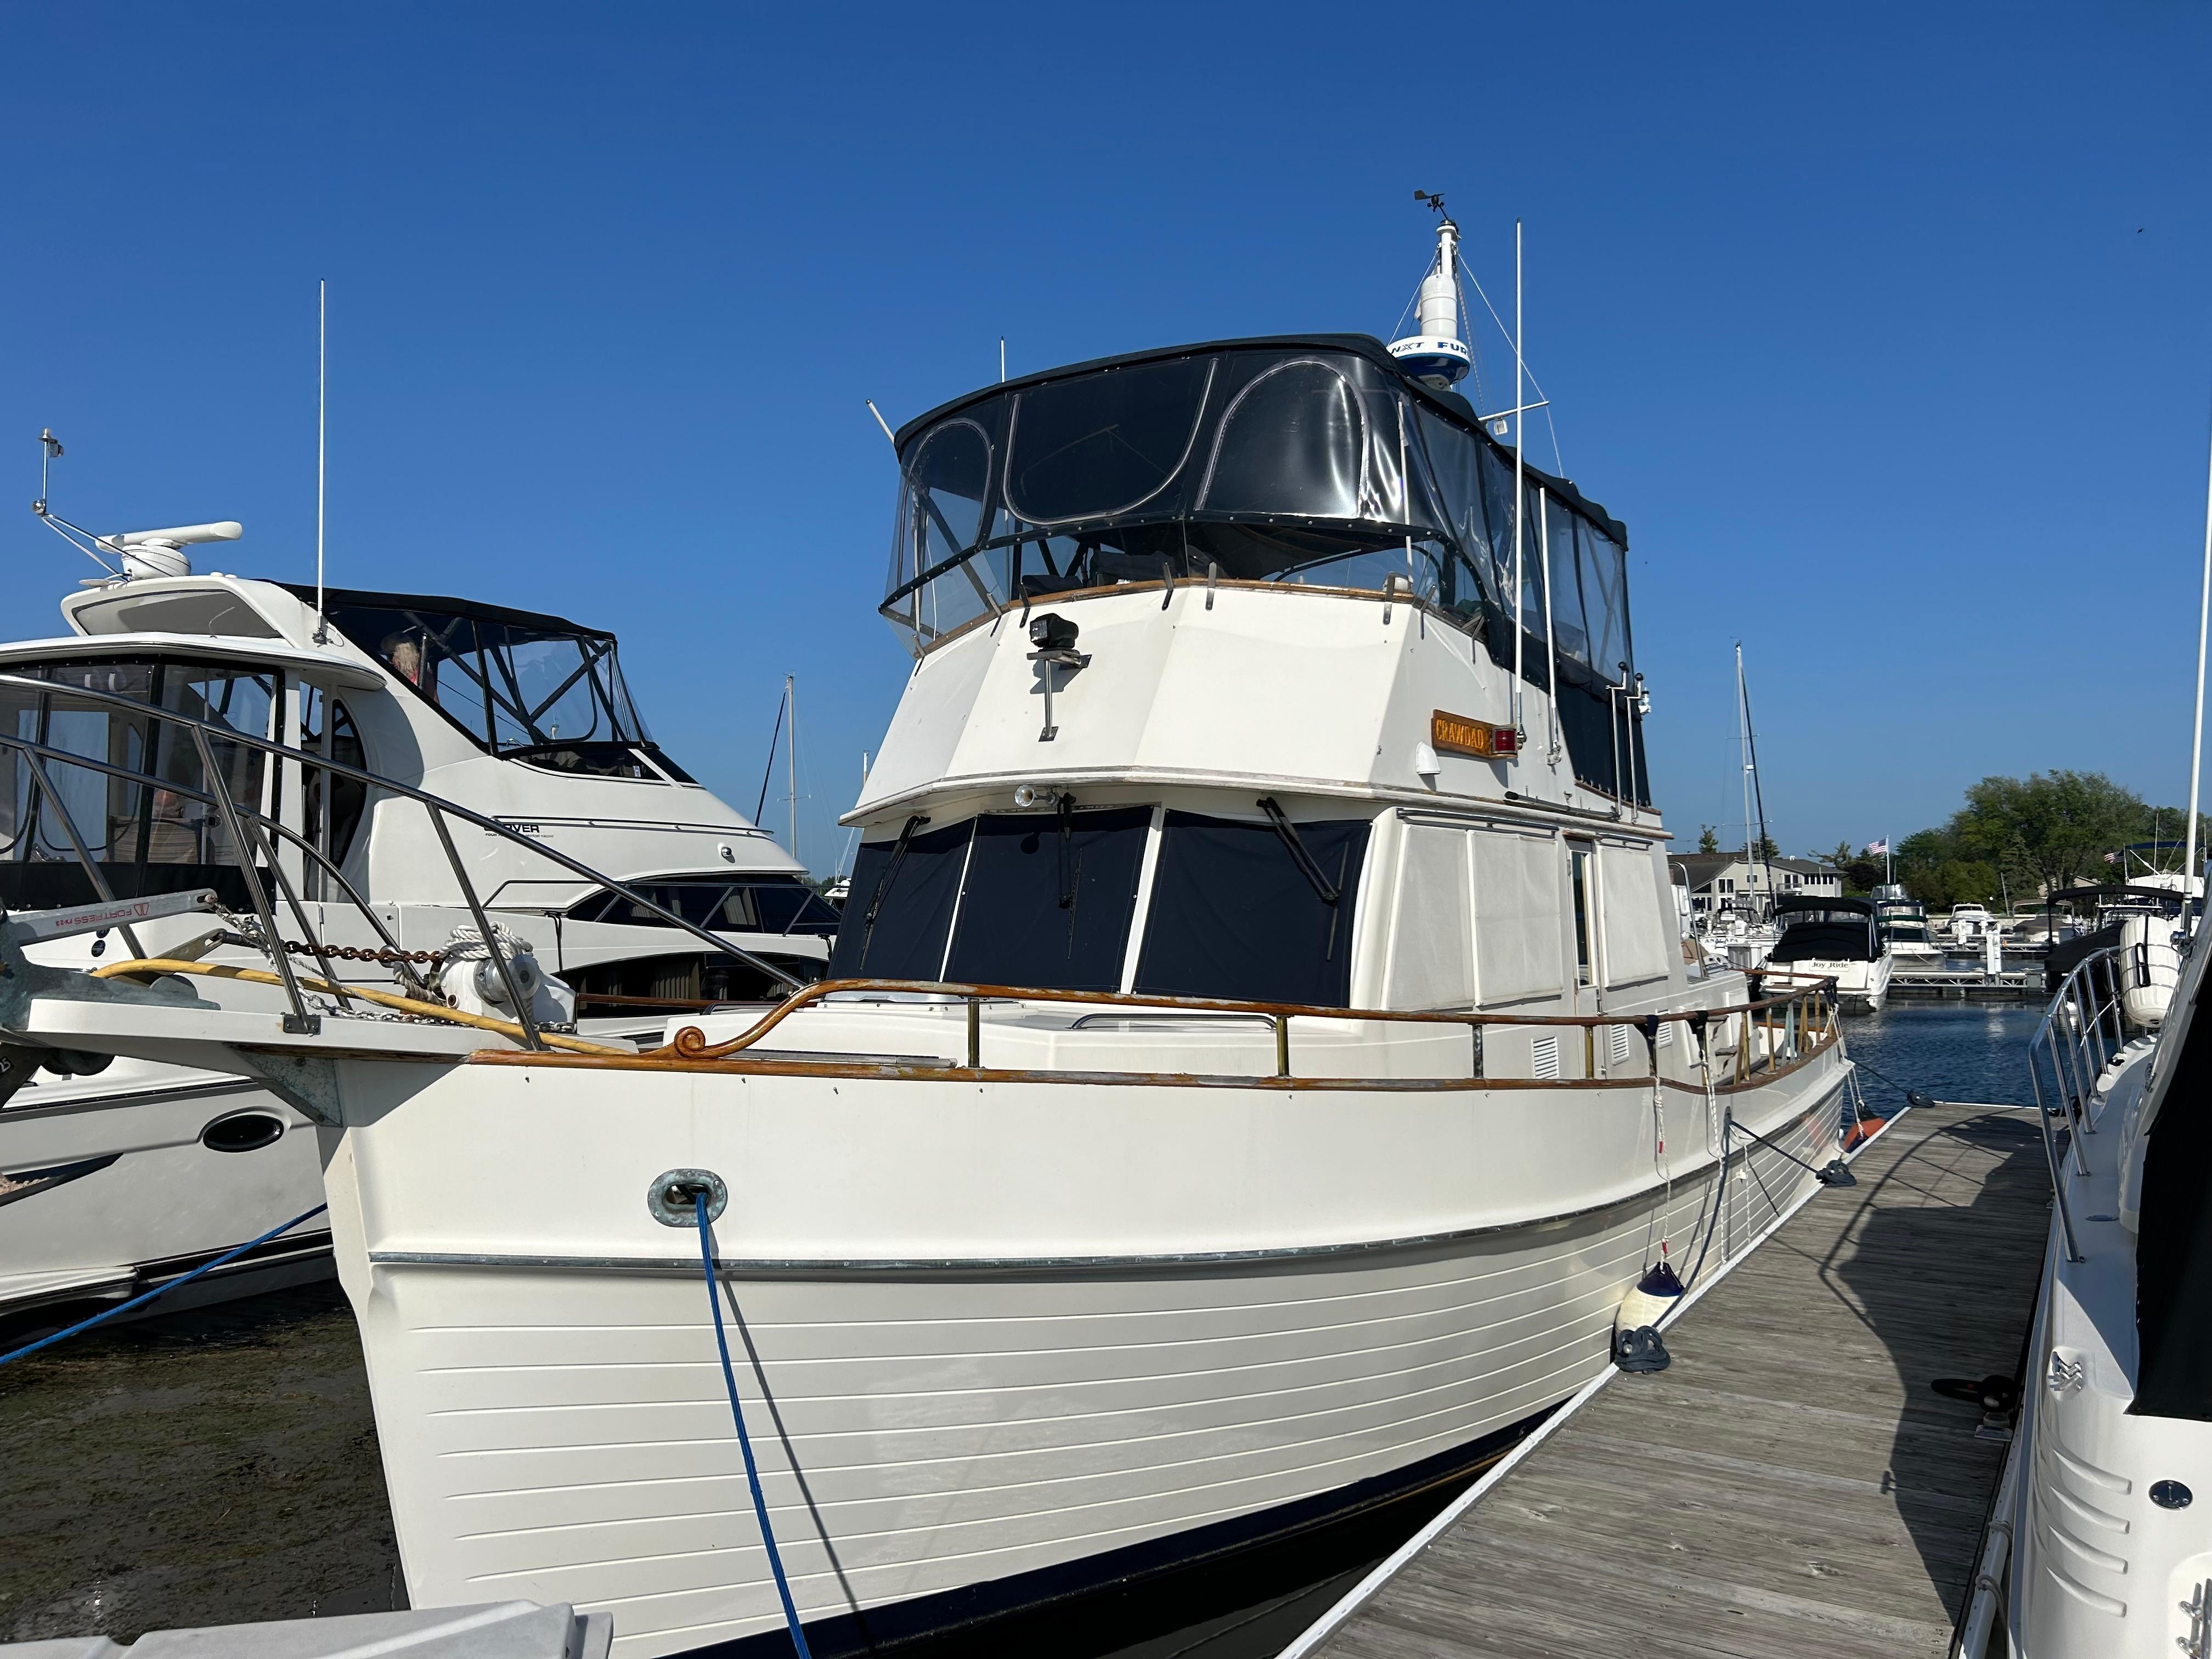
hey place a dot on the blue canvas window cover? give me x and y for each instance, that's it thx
(1305, 460)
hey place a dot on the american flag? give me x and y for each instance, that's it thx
(1875, 848)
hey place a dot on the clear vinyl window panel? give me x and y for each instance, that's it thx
(552, 695)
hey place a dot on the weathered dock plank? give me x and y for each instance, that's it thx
(1792, 1488)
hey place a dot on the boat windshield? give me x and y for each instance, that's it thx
(1308, 464)
(521, 684)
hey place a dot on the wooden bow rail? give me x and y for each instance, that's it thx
(1762, 1038)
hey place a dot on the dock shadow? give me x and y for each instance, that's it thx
(1948, 1290)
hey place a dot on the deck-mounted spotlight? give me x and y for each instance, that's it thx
(1055, 638)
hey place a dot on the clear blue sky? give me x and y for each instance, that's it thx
(1886, 330)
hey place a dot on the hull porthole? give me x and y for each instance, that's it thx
(242, 1131)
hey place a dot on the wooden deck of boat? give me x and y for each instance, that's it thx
(1792, 1488)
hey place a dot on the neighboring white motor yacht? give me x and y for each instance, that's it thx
(1904, 925)
(2114, 1446)
(523, 716)
(1834, 939)
(1253, 1082)
(1963, 929)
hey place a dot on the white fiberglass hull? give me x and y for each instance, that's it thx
(2102, 1565)
(1861, 986)
(106, 1190)
(999, 1331)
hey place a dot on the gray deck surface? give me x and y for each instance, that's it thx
(1792, 1488)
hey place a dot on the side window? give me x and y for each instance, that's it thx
(330, 731)
(1236, 911)
(1580, 858)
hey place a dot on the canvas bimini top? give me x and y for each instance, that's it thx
(1313, 461)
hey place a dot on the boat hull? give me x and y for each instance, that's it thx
(990, 1336)
(91, 1212)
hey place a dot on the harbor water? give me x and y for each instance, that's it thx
(221, 1465)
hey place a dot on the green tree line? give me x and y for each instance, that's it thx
(2017, 838)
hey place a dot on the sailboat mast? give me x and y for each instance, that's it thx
(791, 698)
(2197, 731)
(1743, 754)
(322, 425)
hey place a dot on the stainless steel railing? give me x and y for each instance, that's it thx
(2081, 1029)
(253, 834)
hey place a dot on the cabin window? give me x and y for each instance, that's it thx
(348, 797)
(146, 839)
(1578, 874)
(898, 913)
(1238, 912)
(1048, 899)
(1517, 952)
(761, 904)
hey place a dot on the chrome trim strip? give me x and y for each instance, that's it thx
(221, 1085)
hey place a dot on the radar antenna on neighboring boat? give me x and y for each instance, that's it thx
(139, 553)
(1436, 350)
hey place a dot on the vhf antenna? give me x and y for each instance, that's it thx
(50, 448)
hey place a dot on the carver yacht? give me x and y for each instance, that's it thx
(521, 715)
(1257, 1061)
(2114, 1447)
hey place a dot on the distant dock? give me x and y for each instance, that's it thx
(1792, 1488)
(1967, 985)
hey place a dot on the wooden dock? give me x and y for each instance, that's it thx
(1792, 1488)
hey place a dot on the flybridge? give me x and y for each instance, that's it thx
(1314, 460)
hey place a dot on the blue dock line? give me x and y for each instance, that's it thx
(140, 1301)
(745, 1440)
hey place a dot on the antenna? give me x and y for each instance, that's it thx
(2197, 731)
(50, 450)
(881, 423)
(322, 407)
(1002, 360)
(790, 775)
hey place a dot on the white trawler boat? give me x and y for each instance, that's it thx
(115, 1178)
(1253, 1079)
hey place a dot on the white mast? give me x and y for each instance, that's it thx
(322, 406)
(791, 694)
(1743, 745)
(2197, 731)
(1519, 421)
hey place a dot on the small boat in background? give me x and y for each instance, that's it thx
(1837, 939)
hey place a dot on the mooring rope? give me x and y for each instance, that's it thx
(140, 1301)
(745, 1440)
